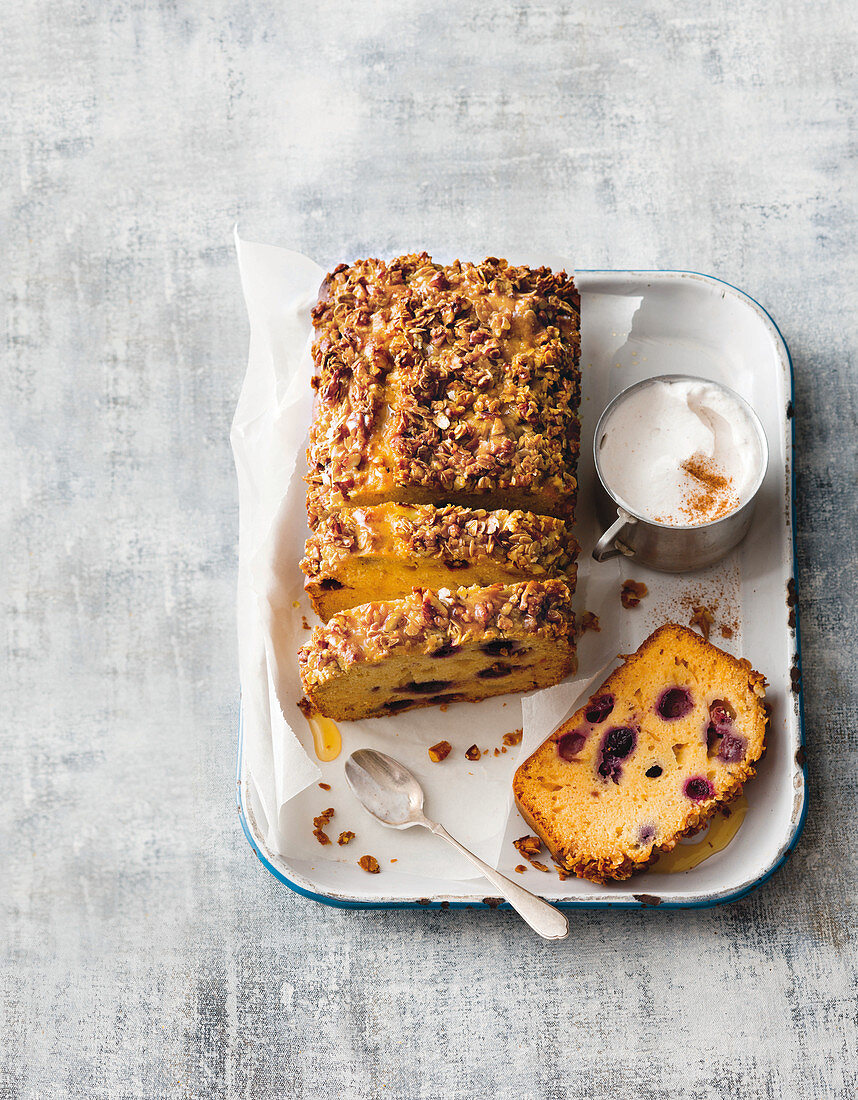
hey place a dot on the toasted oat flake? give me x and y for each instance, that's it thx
(703, 618)
(528, 846)
(632, 593)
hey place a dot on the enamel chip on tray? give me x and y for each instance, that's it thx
(441, 484)
(668, 739)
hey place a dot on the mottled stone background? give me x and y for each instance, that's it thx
(145, 951)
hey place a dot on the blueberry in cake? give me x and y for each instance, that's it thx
(382, 551)
(669, 738)
(439, 647)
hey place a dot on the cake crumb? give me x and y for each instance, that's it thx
(727, 632)
(562, 873)
(295, 603)
(444, 707)
(473, 753)
(702, 617)
(521, 868)
(513, 737)
(539, 866)
(345, 837)
(304, 623)
(590, 621)
(632, 593)
(439, 752)
(325, 786)
(320, 823)
(394, 861)
(369, 864)
(528, 846)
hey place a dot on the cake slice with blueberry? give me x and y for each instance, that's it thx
(439, 647)
(669, 738)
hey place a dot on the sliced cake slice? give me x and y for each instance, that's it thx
(439, 647)
(381, 552)
(667, 739)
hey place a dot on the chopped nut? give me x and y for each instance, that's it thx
(324, 817)
(521, 868)
(528, 846)
(590, 621)
(304, 623)
(632, 593)
(345, 837)
(473, 753)
(439, 752)
(726, 632)
(369, 864)
(539, 866)
(701, 616)
(513, 737)
(325, 786)
(321, 836)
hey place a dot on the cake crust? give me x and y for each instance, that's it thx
(456, 384)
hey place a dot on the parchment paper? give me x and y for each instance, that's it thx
(269, 439)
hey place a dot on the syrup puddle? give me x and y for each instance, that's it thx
(690, 853)
(327, 740)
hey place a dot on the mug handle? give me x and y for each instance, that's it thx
(609, 545)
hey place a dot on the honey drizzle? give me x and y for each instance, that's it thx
(327, 740)
(721, 831)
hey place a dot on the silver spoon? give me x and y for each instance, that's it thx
(394, 797)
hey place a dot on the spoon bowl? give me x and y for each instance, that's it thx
(387, 790)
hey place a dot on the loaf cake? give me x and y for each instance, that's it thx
(439, 647)
(382, 551)
(447, 385)
(669, 738)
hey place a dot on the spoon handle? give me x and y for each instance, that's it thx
(543, 918)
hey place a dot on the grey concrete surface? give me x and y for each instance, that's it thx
(145, 951)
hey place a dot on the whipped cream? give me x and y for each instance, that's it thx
(680, 452)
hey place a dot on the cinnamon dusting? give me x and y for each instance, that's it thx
(711, 494)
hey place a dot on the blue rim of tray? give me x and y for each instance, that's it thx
(707, 903)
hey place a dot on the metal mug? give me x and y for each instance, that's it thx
(670, 548)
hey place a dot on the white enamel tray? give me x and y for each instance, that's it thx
(636, 324)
